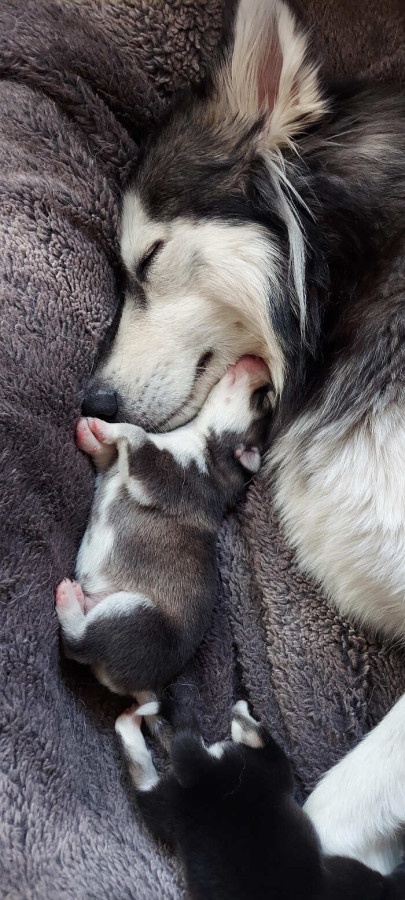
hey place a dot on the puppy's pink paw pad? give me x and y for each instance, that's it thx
(99, 429)
(85, 439)
(65, 594)
(78, 593)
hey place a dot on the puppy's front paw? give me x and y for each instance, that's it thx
(96, 438)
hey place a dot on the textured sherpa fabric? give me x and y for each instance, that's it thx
(81, 82)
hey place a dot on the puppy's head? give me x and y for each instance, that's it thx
(234, 423)
(211, 242)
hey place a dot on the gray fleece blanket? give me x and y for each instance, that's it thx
(81, 83)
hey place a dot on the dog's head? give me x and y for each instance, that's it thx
(212, 246)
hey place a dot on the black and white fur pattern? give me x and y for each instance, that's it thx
(229, 810)
(263, 218)
(146, 568)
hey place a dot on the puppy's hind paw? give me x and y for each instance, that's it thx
(128, 720)
(155, 720)
(70, 611)
(244, 728)
(142, 770)
(68, 595)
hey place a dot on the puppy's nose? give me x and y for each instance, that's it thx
(100, 402)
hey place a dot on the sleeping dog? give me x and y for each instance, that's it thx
(146, 568)
(264, 216)
(229, 809)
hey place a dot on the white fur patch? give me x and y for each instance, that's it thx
(142, 770)
(244, 728)
(227, 407)
(217, 750)
(117, 604)
(185, 444)
(358, 808)
(342, 502)
(94, 550)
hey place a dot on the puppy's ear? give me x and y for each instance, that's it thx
(249, 457)
(266, 74)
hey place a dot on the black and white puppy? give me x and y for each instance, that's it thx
(146, 569)
(230, 811)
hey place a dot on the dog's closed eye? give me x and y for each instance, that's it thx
(147, 259)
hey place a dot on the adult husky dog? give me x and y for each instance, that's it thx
(260, 220)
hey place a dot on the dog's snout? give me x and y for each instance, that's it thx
(100, 402)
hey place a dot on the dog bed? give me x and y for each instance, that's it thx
(81, 83)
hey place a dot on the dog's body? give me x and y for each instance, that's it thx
(146, 569)
(262, 219)
(229, 810)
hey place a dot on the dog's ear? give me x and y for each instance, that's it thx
(266, 74)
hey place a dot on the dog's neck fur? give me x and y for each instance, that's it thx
(352, 231)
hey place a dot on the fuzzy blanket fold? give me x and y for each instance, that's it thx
(80, 83)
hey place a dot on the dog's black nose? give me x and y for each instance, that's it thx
(101, 403)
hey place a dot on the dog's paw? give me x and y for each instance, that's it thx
(244, 728)
(350, 818)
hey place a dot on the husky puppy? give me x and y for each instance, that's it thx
(146, 568)
(263, 218)
(230, 811)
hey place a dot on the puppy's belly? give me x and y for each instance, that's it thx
(92, 564)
